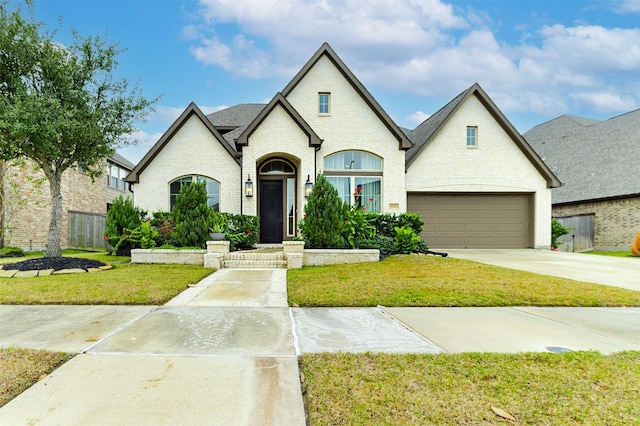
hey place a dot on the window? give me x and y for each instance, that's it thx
(472, 137)
(213, 190)
(358, 178)
(323, 103)
(116, 177)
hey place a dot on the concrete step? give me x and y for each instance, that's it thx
(254, 264)
(254, 255)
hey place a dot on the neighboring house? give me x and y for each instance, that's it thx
(599, 165)
(25, 204)
(466, 170)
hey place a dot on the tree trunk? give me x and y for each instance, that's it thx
(2, 202)
(55, 226)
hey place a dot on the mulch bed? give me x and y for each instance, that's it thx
(55, 263)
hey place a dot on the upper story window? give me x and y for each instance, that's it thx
(357, 176)
(324, 103)
(213, 190)
(116, 177)
(472, 137)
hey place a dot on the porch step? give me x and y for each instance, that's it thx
(261, 258)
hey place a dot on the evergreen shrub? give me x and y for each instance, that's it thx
(324, 217)
(192, 215)
(122, 218)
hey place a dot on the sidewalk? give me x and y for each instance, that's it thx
(225, 351)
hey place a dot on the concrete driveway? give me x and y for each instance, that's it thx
(612, 271)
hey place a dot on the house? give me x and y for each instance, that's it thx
(598, 162)
(466, 170)
(25, 204)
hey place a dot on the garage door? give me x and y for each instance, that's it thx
(473, 220)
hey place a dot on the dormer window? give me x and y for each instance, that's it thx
(324, 103)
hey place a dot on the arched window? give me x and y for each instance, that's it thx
(213, 190)
(357, 176)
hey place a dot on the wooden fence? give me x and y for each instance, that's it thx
(581, 235)
(86, 230)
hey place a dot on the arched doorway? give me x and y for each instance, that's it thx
(276, 200)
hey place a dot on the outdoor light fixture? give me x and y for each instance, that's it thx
(248, 187)
(308, 186)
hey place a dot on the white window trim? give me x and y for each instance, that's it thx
(475, 145)
(328, 95)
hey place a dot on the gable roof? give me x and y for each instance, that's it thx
(326, 50)
(280, 100)
(595, 159)
(121, 161)
(426, 132)
(192, 110)
(236, 116)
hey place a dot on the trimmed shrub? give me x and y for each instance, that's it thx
(386, 223)
(192, 215)
(635, 248)
(11, 252)
(324, 217)
(122, 218)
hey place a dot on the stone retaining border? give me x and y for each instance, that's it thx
(14, 273)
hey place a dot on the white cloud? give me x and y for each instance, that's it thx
(430, 48)
(417, 117)
(139, 143)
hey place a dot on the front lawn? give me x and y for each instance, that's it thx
(410, 280)
(124, 284)
(626, 253)
(21, 368)
(534, 388)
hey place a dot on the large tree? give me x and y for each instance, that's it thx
(60, 105)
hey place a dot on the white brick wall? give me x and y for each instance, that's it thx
(351, 125)
(497, 165)
(192, 151)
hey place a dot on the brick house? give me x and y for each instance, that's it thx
(26, 204)
(598, 163)
(466, 170)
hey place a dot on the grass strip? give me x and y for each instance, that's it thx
(21, 368)
(409, 280)
(535, 388)
(124, 284)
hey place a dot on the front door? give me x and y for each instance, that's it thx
(271, 202)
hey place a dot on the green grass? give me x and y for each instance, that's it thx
(124, 284)
(435, 281)
(21, 368)
(535, 388)
(626, 253)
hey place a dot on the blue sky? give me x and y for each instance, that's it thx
(536, 59)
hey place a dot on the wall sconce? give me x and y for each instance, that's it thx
(248, 187)
(308, 186)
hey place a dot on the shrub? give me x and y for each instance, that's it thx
(557, 231)
(635, 248)
(357, 226)
(386, 223)
(122, 217)
(243, 230)
(192, 215)
(324, 217)
(144, 236)
(219, 223)
(165, 224)
(406, 240)
(11, 252)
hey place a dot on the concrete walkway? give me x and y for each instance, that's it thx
(225, 351)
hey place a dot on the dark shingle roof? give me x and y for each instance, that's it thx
(121, 161)
(595, 159)
(235, 116)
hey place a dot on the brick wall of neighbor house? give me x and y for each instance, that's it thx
(351, 125)
(193, 150)
(496, 165)
(278, 136)
(30, 224)
(616, 221)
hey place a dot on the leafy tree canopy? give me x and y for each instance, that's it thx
(60, 106)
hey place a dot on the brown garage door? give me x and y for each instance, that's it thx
(473, 220)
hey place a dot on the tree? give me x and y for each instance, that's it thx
(60, 106)
(324, 216)
(192, 215)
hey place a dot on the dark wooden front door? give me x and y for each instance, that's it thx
(271, 211)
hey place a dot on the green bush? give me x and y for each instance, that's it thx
(144, 236)
(386, 223)
(243, 230)
(557, 231)
(324, 217)
(165, 224)
(406, 240)
(357, 226)
(122, 218)
(192, 215)
(11, 252)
